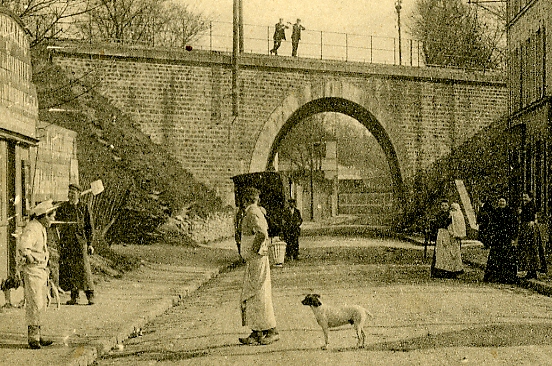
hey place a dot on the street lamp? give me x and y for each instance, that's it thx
(398, 8)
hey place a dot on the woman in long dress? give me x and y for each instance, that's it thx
(451, 228)
(256, 297)
(501, 262)
(529, 240)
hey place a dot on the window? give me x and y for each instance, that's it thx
(527, 71)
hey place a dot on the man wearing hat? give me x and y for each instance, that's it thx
(296, 37)
(292, 229)
(32, 260)
(75, 239)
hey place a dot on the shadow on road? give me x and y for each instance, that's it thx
(500, 335)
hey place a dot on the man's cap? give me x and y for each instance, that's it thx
(75, 186)
(43, 208)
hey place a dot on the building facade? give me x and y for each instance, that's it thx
(37, 160)
(18, 119)
(529, 24)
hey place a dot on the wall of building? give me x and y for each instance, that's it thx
(530, 84)
(54, 163)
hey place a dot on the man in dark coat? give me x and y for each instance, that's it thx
(296, 37)
(292, 229)
(75, 232)
(279, 36)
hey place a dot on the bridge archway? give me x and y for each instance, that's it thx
(293, 111)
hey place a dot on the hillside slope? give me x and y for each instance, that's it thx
(144, 183)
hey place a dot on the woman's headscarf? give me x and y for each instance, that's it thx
(458, 226)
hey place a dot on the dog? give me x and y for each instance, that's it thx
(13, 283)
(53, 292)
(331, 317)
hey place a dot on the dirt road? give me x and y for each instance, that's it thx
(417, 320)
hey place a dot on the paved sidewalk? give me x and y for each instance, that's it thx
(123, 307)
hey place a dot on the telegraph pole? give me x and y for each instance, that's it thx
(240, 22)
(235, 56)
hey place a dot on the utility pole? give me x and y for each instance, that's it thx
(235, 56)
(240, 21)
(398, 8)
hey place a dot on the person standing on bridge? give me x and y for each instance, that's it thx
(447, 261)
(257, 309)
(279, 36)
(296, 37)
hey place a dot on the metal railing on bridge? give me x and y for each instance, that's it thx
(315, 44)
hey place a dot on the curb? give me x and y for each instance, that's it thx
(87, 355)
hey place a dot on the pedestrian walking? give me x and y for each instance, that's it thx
(257, 309)
(279, 36)
(75, 239)
(292, 229)
(502, 230)
(32, 261)
(296, 36)
(447, 261)
(529, 240)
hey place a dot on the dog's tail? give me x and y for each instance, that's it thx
(368, 314)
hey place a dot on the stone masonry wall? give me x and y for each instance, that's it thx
(185, 103)
(216, 226)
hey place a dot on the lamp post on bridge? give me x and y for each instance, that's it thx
(398, 8)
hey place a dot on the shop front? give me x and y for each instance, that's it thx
(18, 119)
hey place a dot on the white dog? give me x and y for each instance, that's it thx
(331, 317)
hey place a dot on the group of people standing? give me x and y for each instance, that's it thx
(36, 265)
(280, 35)
(513, 238)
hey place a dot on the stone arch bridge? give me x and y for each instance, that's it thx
(184, 100)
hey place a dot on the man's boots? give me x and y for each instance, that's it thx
(34, 338)
(254, 338)
(44, 342)
(269, 336)
(90, 296)
(74, 298)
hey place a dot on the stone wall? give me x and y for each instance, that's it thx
(216, 226)
(183, 101)
(481, 162)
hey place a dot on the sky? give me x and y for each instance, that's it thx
(372, 17)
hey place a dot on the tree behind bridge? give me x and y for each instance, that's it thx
(455, 35)
(151, 22)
